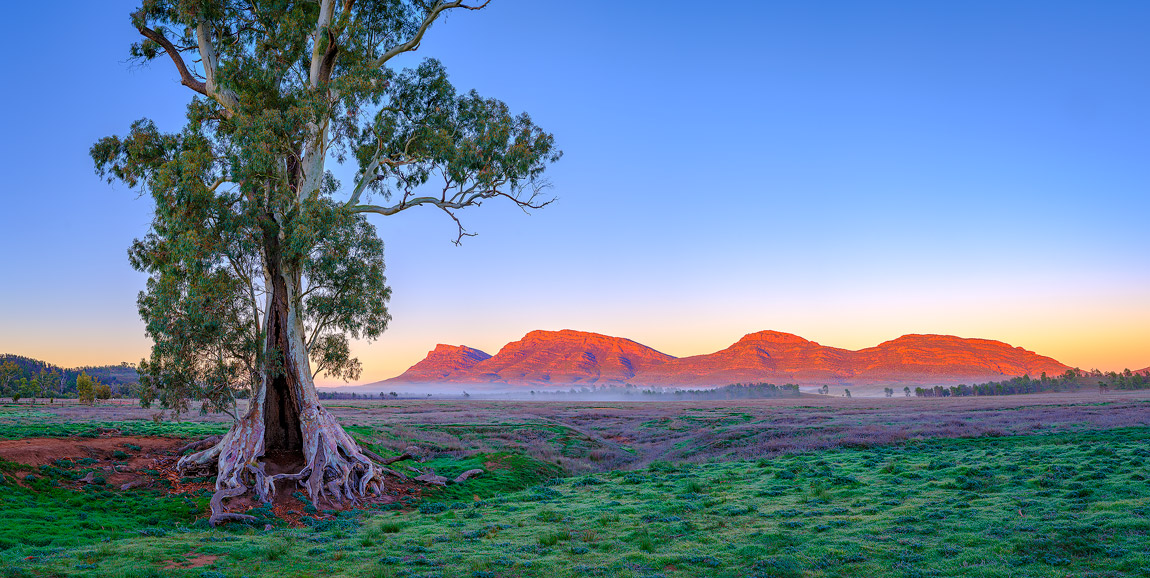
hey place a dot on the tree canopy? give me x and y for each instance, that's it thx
(261, 264)
(281, 89)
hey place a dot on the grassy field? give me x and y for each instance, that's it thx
(675, 491)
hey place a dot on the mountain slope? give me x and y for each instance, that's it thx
(442, 363)
(576, 358)
(951, 357)
(555, 357)
(761, 356)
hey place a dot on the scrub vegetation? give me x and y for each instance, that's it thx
(996, 497)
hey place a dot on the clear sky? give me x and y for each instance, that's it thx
(846, 171)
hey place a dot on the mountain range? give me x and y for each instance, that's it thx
(570, 358)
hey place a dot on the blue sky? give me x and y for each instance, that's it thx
(846, 171)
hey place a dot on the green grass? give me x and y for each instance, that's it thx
(1071, 504)
(29, 424)
(40, 511)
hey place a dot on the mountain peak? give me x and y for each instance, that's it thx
(773, 337)
(444, 363)
(568, 358)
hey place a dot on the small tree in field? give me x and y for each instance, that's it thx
(86, 388)
(261, 264)
(8, 372)
(22, 389)
(46, 382)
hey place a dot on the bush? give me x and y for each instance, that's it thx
(432, 507)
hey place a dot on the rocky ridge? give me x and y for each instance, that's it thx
(576, 358)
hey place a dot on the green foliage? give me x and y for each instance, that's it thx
(9, 372)
(87, 388)
(54, 381)
(26, 389)
(1072, 380)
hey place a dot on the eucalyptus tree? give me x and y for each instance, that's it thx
(261, 264)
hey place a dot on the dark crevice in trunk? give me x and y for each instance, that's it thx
(283, 438)
(281, 419)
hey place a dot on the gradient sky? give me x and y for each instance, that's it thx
(846, 171)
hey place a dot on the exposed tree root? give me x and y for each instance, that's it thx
(431, 478)
(335, 471)
(393, 472)
(197, 445)
(386, 461)
(468, 474)
(219, 516)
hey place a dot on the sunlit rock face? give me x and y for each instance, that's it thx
(443, 362)
(568, 358)
(577, 358)
(915, 356)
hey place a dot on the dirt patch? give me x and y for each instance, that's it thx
(127, 462)
(43, 451)
(117, 459)
(496, 464)
(192, 560)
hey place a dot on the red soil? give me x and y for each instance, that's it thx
(192, 560)
(159, 455)
(152, 455)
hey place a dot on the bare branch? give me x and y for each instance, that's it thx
(216, 184)
(462, 232)
(206, 87)
(469, 197)
(186, 77)
(413, 43)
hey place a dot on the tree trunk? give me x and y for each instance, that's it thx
(286, 437)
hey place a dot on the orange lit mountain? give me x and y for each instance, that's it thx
(575, 358)
(762, 356)
(441, 362)
(542, 357)
(911, 357)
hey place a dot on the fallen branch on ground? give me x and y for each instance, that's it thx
(204, 443)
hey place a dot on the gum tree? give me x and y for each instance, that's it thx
(261, 265)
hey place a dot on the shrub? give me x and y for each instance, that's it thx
(432, 507)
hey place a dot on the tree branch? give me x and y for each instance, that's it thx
(210, 60)
(326, 10)
(413, 43)
(216, 184)
(186, 77)
(462, 199)
(207, 87)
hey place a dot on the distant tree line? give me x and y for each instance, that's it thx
(350, 395)
(732, 391)
(1072, 380)
(26, 378)
(739, 391)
